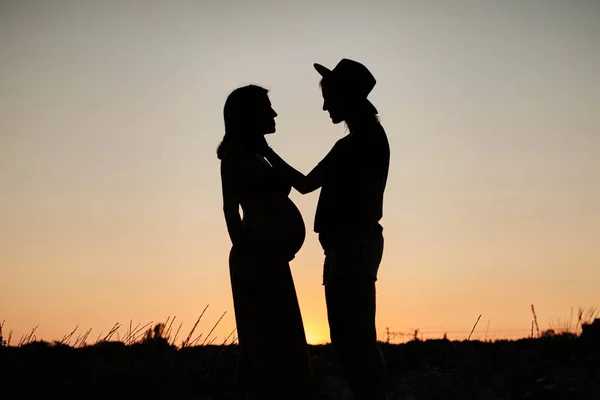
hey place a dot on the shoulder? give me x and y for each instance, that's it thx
(373, 144)
(383, 139)
(334, 151)
(376, 131)
(343, 144)
(377, 137)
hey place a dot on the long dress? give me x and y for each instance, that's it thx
(273, 354)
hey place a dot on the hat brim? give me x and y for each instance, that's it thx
(323, 71)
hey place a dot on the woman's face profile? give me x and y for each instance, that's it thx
(264, 116)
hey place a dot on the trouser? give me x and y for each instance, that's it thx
(351, 265)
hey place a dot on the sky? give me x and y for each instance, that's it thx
(110, 193)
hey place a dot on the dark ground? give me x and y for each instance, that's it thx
(547, 368)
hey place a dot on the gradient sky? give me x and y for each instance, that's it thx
(111, 111)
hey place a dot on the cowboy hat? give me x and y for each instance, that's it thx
(350, 78)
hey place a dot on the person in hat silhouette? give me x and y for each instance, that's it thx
(352, 178)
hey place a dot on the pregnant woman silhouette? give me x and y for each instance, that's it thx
(273, 359)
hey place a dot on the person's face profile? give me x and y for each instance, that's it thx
(333, 103)
(265, 116)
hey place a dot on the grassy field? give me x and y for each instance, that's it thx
(556, 367)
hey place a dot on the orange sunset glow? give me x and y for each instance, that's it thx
(111, 112)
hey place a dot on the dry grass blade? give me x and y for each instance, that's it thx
(586, 316)
(84, 338)
(168, 330)
(574, 324)
(195, 341)
(537, 328)
(590, 315)
(110, 334)
(31, 336)
(187, 340)
(227, 338)
(474, 326)
(27, 338)
(129, 339)
(213, 328)
(139, 332)
(176, 334)
(67, 338)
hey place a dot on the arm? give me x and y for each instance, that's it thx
(302, 183)
(231, 180)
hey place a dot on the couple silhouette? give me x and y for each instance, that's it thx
(273, 354)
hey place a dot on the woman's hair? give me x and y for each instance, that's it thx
(238, 113)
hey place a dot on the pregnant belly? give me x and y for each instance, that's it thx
(277, 225)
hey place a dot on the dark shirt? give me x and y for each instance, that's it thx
(354, 177)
